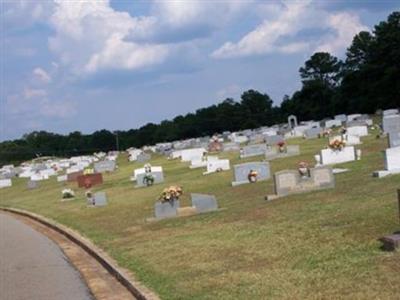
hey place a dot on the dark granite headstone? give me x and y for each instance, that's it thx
(90, 180)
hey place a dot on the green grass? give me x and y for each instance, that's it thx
(318, 245)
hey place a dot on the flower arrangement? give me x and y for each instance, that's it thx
(252, 176)
(171, 194)
(281, 146)
(67, 194)
(147, 168)
(303, 169)
(148, 179)
(337, 145)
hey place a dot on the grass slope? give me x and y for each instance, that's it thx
(318, 245)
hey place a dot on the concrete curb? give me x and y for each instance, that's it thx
(123, 276)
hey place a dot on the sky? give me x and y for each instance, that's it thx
(75, 65)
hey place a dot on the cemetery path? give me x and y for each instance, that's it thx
(38, 263)
(33, 267)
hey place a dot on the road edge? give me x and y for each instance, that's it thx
(125, 277)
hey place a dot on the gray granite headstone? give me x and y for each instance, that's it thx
(394, 139)
(158, 178)
(391, 123)
(285, 181)
(32, 184)
(312, 133)
(253, 150)
(342, 118)
(164, 210)
(104, 166)
(204, 203)
(143, 157)
(323, 177)
(272, 140)
(241, 172)
(99, 199)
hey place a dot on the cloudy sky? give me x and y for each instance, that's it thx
(117, 64)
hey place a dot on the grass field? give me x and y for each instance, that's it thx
(318, 245)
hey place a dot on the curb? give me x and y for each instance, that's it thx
(133, 286)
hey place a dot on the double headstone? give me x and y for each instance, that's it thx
(242, 171)
(104, 166)
(253, 150)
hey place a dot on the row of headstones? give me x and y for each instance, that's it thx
(391, 126)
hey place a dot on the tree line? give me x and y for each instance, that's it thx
(367, 79)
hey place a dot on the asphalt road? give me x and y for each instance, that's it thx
(32, 267)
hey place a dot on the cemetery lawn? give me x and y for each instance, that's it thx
(318, 245)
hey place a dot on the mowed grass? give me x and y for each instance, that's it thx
(317, 245)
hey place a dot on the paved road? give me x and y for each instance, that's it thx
(32, 267)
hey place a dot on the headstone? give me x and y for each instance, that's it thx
(62, 178)
(231, 147)
(285, 181)
(357, 130)
(217, 165)
(253, 150)
(391, 242)
(72, 177)
(90, 180)
(5, 183)
(342, 117)
(290, 182)
(164, 210)
(391, 123)
(272, 140)
(392, 163)
(157, 175)
(241, 172)
(104, 166)
(204, 203)
(394, 139)
(389, 112)
(333, 123)
(313, 133)
(98, 199)
(274, 152)
(329, 156)
(143, 157)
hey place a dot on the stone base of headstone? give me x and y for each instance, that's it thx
(385, 173)
(391, 242)
(186, 211)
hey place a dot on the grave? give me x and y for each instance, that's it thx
(392, 163)
(89, 180)
(330, 156)
(253, 150)
(289, 182)
(217, 166)
(167, 209)
(104, 166)
(158, 177)
(313, 133)
(231, 147)
(390, 242)
(389, 112)
(391, 123)
(357, 131)
(342, 117)
(274, 152)
(242, 171)
(5, 183)
(333, 123)
(143, 157)
(191, 154)
(394, 139)
(204, 203)
(62, 178)
(98, 199)
(272, 140)
(72, 177)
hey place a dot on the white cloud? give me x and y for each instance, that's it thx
(278, 33)
(90, 36)
(346, 26)
(265, 37)
(41, 75)
(33, 93)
